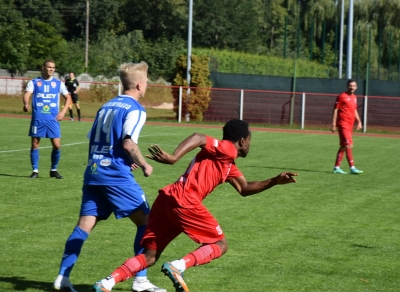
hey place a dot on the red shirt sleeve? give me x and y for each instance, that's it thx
(220, 149)
(339, 99)
(235, 172)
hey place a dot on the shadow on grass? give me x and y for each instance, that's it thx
(362, 246)
(292, 169)
(23, 284)
(13, 175)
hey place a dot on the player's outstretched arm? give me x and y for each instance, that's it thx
(246, 188)
(193, 141)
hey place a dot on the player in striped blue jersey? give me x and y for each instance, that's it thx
(45, 91)
(109, 186)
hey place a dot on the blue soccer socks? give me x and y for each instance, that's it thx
(72, 250)
(55, 158)
(35, 159)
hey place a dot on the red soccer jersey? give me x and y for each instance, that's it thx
(212, 166)
(346, 105)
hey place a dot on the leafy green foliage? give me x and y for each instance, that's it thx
(44, 11)
(196, 100)
(109, 51)
(14, 44)
(74, 58)
(45, 43)
(223, 25)
(272, 26)
(107, 55)
(280, 28)
(161, 56)
(157, 19)
(242, 63)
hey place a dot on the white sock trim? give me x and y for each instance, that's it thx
(179, 264)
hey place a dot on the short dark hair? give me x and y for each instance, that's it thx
(48, 61)
(351, 81)
(235, 129)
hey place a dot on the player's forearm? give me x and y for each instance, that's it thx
(334, 117)
(68, 101)
(357, 117)
(25, 98)
(255, 187)
(133, 152)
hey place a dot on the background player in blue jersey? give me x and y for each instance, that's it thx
(45, 92)
(72, 85)
(109, 186)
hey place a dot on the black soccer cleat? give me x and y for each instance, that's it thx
(34, 175)
(54, 173)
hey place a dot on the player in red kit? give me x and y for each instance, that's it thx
(179, 208)
(344, 115)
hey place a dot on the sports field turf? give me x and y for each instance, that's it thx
(328, 232)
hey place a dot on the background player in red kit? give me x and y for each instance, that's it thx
(344, 114)
(178, 207)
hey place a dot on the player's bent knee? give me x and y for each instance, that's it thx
(223, 245)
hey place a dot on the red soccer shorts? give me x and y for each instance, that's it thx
(345, 136)
(167, 220)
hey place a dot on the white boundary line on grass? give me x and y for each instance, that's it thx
(77, 143)
(44, 147)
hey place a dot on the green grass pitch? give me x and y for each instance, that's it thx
(326, 233)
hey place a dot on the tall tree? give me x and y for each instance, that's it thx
(227, 24)
(167, 18)
(317, 12)
(272, 25)
(382, 16)
(103, 16)
(42, 10)
(45, 43)
(14, 44)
